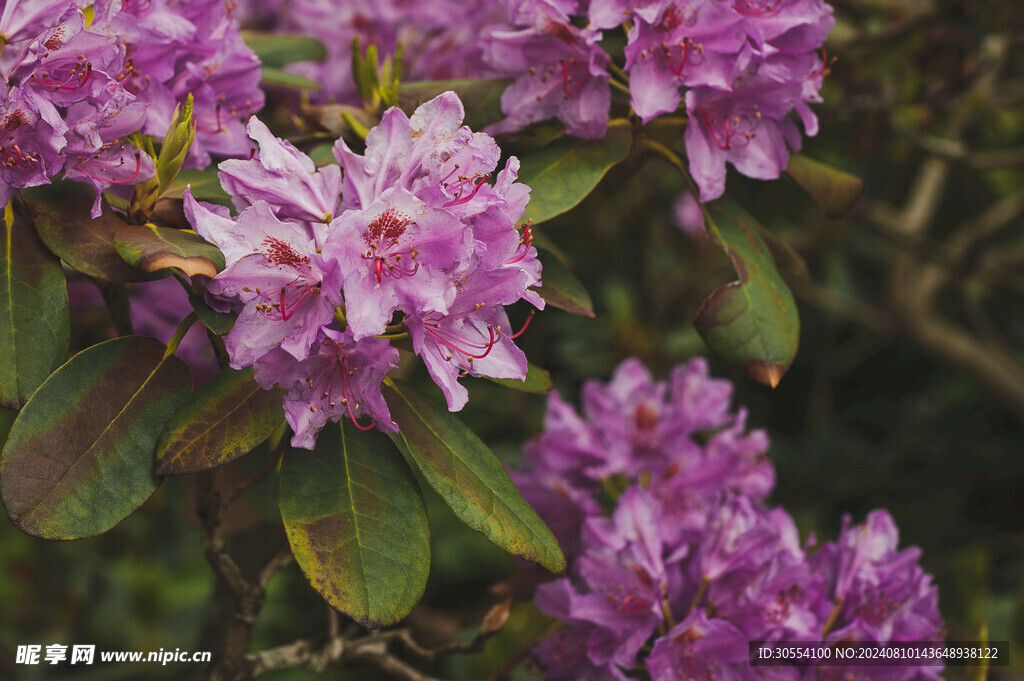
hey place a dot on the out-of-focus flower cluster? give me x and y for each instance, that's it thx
(441, 39)
(738, 68)
(421, 244)
(75, 86)
(675, 561)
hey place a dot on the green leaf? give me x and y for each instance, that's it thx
(832, 189)
(559, 287)
(537, 381)
(35, 326)
(152, 248)
(60, 214)
(220, 323)
(79, 458)
(562, 173)
(469, 477)
(751, 322)
(357, 524)
(205, 185)
(279, 78)
(278, 49)
(225, 419)
(485, 96)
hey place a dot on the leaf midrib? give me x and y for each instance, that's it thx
(95, 442)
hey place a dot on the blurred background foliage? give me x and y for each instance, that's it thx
(907, 392)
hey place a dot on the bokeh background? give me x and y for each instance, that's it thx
(907, 392)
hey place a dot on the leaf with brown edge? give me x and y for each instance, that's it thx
(751, 322)
(357, 524)
(79, 458)
(226, 418)
(834, 190)
(35, 324)
(152, 248)
(60, 214)
(469, 477)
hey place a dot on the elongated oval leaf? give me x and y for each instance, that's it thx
(79, 458)
(35, 326)
(152, 248)
(225, 419)
(537, 381)
(204, 184)
(562, 173)
(60, 214)
(469, 477)
(220, 323)
(832, 189)
(276, 49)
(357, 524)
(279, 78)
(753, 321)
(561, 288)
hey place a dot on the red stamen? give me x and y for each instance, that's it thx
(529, 319)
(463, 199)
(487, 351)
(138, 167)
(526, 241)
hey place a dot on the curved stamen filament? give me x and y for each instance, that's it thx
(138, 168)
(486, 348)
(526, 241)
(397, 269)
(529, 319)
(220, 126)
(464, 199)
(82, 79)
(348, 399)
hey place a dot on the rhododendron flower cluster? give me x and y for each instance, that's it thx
(74, 90)
(739, 68)
(327, 266)
(441, 39)
(675, 560)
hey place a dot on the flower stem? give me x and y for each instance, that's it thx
(618, 72)
(704, 581)
(179, 333)
(618, 86)
(832, 617)
(666, 611)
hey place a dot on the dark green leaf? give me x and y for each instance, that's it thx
(223, 420)
(279, 78)
(60, 214)
(277, 49)
(79, 458)
(205, 185)
(152, 248)
(832, 189)
(537, 381)
(483, 97)
(357, 524)
(751, 322)
(220, 323)
(559, 287)
(35, 327)
(562, 173)
(469, 477)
